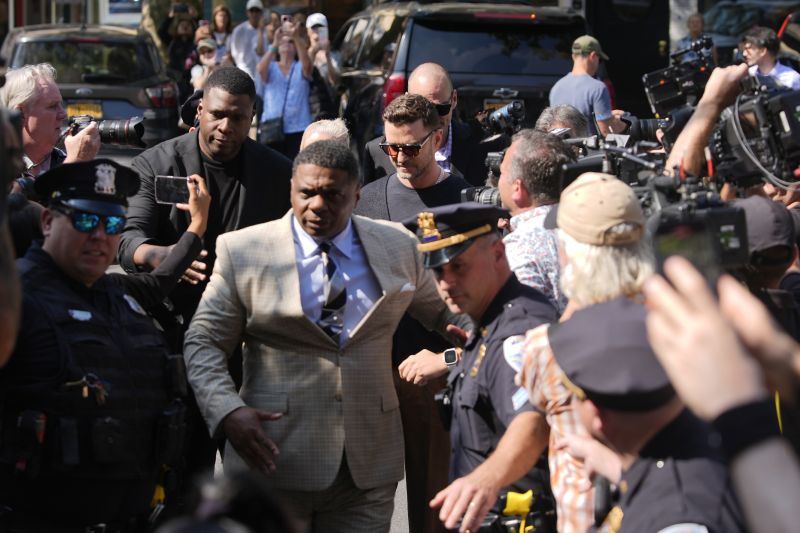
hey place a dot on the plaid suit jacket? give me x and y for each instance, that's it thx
(333, 398)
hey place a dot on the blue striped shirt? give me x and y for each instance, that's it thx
(297, 114)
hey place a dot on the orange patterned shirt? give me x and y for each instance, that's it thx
(549, 395)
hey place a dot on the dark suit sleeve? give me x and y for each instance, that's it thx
(142, 215)
(367, 166)
(376, 163)
(469, 155)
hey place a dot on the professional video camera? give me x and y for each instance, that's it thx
(686, 215)
(758, 137)
(682, 82)
(125, 132)
(672, 93)
(502, 123)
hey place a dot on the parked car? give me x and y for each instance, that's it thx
(107, 72)
(495, 53)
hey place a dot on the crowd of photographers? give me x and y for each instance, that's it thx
(610, 321)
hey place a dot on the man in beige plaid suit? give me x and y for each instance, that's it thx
(317, 412)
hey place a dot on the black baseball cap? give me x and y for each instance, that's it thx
(445, 232)
(606, 357)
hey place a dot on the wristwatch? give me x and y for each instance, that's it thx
(450, 357)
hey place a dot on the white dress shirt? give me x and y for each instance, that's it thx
(347, 252)
(784, 75)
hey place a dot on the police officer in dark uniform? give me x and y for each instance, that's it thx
(91, 398)
(490, 413)
(674, 479)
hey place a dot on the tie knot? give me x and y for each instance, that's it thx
(325, 247)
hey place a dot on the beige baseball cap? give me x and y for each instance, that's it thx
(593, 204)
(585, 44)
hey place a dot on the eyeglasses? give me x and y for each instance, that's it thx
(87, 222)
(411, 150)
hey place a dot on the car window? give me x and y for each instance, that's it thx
(494, 49)
(351, 42)
(380, 44)
(84, 61)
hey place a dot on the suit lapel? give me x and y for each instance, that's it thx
(380, 263)
(282, 252)
(249, 174)
(187, 162)
(459, 157)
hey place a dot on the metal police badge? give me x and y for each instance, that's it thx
(105, 182)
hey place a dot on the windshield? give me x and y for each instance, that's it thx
(89, 61)
(494, 49)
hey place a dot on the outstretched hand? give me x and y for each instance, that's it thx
(243, 428)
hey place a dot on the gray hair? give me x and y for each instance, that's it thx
(328, 154)
(596, 274)
(537, 161)
(564, 116)
(22, 84)
(333, 130)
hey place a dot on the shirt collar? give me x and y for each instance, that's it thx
(444, 153)
(309, 245)
(531, 214)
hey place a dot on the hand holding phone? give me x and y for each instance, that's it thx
(171, 190)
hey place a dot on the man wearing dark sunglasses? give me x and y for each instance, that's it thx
(413, 131)
(90, 372)
(459, 151)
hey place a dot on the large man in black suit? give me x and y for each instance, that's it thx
(459, 152)
(248, 182)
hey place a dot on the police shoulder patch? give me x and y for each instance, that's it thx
(512, 351)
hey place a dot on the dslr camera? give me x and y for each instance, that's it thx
(503, 122)
(124, 132)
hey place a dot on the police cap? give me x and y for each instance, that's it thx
(446, 231)
(605, 356)
(101, 186)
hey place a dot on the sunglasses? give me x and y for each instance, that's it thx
(87, 222)
(443, 109)
(411, 150)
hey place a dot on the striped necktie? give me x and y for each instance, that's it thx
(332, 316)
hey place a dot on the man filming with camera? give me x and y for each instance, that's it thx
(760, 47)
(32, 91)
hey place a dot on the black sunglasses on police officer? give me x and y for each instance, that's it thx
(86, 222)
(411, 149)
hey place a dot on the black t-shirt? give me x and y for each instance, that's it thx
(388, 199)
(223, 185)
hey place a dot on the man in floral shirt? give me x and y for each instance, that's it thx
(529, 188)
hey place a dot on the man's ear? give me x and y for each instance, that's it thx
(437, 138)
(46, 221)
(454, 100)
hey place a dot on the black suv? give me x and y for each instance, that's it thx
(495, 53)
(107, 72)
